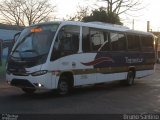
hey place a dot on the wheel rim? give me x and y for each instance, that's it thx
(63, 87)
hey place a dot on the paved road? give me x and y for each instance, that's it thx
(144, 96)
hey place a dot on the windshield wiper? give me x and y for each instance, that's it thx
(31, 50)
(17, 51)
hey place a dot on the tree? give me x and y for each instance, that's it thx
(80, 13)
(25, 12)
(122, 6)
(102, 16)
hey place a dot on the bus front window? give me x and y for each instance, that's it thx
(34, 43)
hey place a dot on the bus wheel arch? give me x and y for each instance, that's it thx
(65, 83)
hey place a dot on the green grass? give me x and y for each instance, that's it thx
(2, 68)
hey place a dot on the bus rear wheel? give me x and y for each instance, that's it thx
(28, 90)
(130, 78)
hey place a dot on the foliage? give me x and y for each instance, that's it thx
(25, 12)
(102, 16)
(110, 11)
(80, 13)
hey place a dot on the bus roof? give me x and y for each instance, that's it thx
(100, 25)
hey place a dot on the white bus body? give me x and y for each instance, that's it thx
(61, 55)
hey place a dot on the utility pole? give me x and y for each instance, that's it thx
(148, 26)
(133, 24)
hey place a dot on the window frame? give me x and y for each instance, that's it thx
(53, 51)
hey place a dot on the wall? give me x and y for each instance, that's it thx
(5, 35)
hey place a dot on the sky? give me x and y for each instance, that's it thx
(69, 7)
(149, 13)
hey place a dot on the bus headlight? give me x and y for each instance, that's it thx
(41, 72)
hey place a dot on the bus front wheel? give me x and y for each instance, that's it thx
(130, 78)
(63, 87)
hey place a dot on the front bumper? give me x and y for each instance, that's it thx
(38, 82)
(22, 83)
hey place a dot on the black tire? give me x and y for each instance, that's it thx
(63, 87)
(28, 90)
(130, 78)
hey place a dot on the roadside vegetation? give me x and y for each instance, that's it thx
(2, 68)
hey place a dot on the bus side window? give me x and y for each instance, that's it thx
(97, 39)
(86, 44)
(67, 42)
(55, 52)
(147, 43)
(118, 41)
(133, 42)
(106, 45)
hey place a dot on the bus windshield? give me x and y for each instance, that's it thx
(34, 41)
